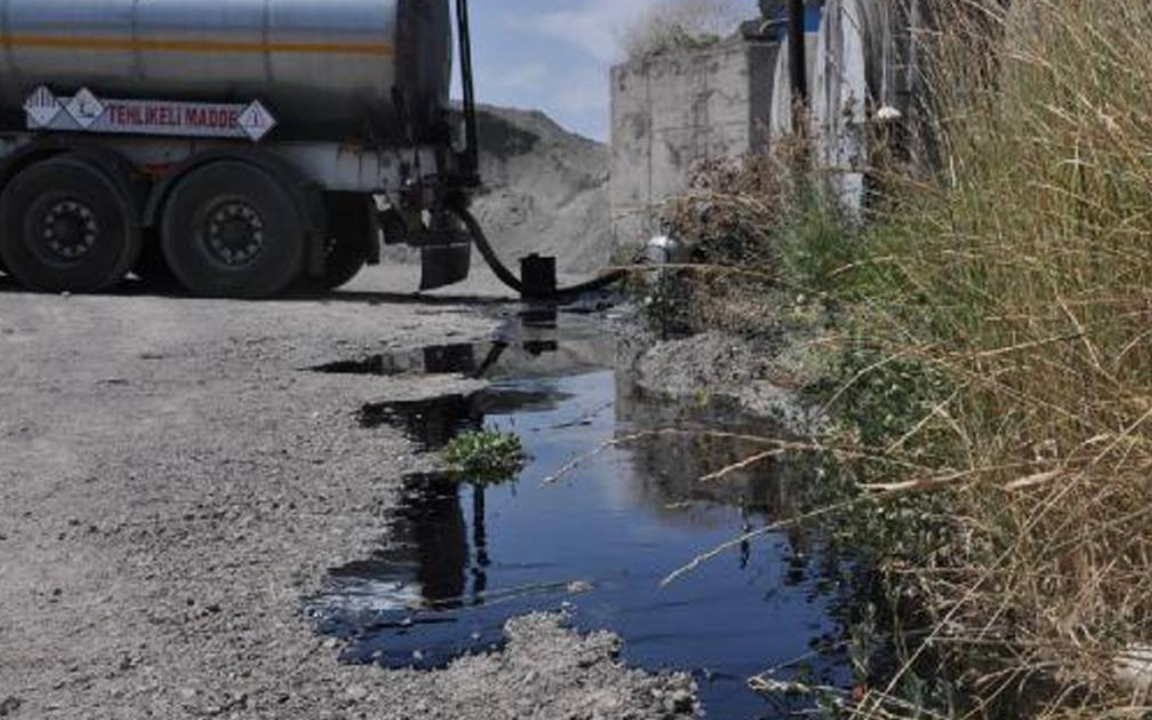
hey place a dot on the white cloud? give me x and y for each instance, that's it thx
(595, 26)
(523, 77)
(554, 55)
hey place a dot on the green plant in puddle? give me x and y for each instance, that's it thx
(486, 457)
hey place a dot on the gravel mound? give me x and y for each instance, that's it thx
(546, 190)
(717, 364)
(550, 673)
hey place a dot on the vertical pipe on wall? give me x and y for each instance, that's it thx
(796, 44)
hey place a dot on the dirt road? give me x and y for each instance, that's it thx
(172, 484)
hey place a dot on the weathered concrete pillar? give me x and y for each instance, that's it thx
(671, 112)
(781, 114)
(849, 86)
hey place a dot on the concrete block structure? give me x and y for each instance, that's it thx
(669, 112)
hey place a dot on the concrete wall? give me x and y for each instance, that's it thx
(670, 112)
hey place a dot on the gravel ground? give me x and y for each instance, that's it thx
(172, 485)
(717, 364)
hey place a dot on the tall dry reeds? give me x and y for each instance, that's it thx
(1023, 274)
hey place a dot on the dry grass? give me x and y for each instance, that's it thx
(764, 238)
(1016, 284)
(680, 25)
(1024, 275)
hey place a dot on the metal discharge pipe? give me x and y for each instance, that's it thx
(798, 59)
(330, 69)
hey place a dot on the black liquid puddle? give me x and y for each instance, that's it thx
(459, 560)
(435, 360)
(432, 423)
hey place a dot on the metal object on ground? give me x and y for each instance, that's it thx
(665, 250)
(538, 275)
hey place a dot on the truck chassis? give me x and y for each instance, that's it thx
(95, 189)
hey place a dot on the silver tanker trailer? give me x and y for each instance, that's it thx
(244, 145)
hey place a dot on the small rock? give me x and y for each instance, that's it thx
(1133, 668)
(356, 693)
(580, 587)
(10, 705)
(331, 644)
(682, 702)
(187, 693)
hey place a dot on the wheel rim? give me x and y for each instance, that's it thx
(66, 232)
(234, 233)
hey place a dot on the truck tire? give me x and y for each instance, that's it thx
(231, 229)
(65, 226)
(349, 240)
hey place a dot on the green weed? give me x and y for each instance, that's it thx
(486, 457)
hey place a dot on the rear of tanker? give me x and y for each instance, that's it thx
(242, 147)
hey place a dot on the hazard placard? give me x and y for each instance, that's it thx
(42, 108)
(256, 121)
(87, 112)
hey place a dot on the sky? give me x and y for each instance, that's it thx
(551, 55)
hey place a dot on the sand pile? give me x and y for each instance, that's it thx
(546, 190)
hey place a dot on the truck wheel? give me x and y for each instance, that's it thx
(66, 227)
(349, 242)
(232, 230)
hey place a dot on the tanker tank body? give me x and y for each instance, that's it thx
(242, 145)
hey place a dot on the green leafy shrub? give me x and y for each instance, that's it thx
(486, 457)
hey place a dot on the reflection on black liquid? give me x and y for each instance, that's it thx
(440, 539)
(543, 317)
(480, 542)
(432, 423)
(435, 360)
(462, 560)
(428, 544)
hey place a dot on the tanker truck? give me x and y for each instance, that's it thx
(244, 146)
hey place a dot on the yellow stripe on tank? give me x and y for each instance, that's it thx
(196, 46)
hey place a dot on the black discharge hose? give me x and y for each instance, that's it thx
(471, 162)
(509, 278)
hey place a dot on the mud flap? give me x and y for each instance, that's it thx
(443, 265)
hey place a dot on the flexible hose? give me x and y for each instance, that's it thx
(509, 278)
